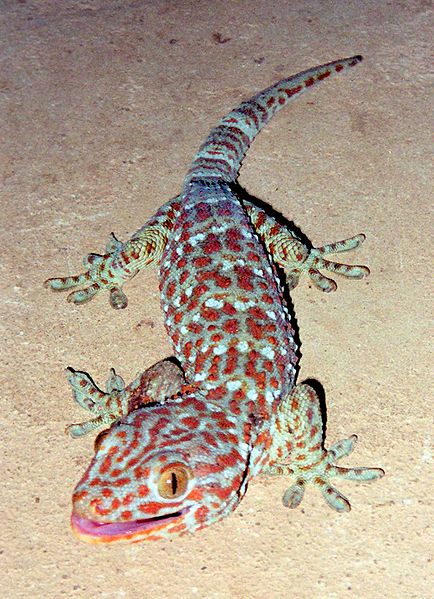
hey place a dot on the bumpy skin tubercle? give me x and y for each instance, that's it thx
(183, 444)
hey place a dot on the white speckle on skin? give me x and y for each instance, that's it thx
(200, 376)
(214, 303)
(269, 397)
(220, 228)
(226, 265)
(252, 394)
(233, 385)
(242, 306)
(220, 349)
(268, 352)
(195, 238)
(242, 346)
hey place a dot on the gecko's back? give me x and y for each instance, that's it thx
(223, 305)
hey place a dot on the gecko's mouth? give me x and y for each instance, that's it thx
(109, 532)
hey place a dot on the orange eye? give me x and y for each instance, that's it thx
(99, 439)
(173, 481)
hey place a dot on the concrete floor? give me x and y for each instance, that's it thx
(103, 104)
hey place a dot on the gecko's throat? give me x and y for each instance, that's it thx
(109, 532)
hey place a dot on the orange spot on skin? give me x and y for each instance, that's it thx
(195, 494)
(195, 328)
(230, 459)
(209, 313)
(205, 469)
(143, 490)
(212, 244)
(234, 407)
(179, 528)
(255, 329)
(229, 309)
(221, 492)
(153, 507)
(121, 482)
(217, 337)
(217, 393)
(232, 361)
(210, 439)
(244, 277)
(201, 513)
(190, 422)
(231, 326)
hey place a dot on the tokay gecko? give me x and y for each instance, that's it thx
(183, 443)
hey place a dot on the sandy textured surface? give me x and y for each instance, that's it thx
(103, 104)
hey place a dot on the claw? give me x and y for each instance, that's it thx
(342, 246)
(321, 282)
(82, 296)
(335, 499)
(293, 496)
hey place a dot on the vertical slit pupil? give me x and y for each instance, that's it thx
(174, 482)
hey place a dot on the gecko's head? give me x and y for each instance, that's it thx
(161, 472)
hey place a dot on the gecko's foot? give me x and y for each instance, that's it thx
(161, 381)
(296, 258)
(107, 272)
(121, 262)
(107, 407)
(320, 473)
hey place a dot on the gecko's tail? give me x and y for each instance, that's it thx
(221, 154)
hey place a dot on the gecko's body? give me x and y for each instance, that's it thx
(184, 462)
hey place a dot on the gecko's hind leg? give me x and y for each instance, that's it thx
(297, 258)
(297, 450)
(121, 262)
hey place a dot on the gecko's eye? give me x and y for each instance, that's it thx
(173, 481)
(99, 439)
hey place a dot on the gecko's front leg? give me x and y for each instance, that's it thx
(121, 262)
(298, 451)
(296, 258)
(161, 381)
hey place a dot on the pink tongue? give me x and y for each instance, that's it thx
(111, 529)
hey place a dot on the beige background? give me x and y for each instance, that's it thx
(103, 105)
